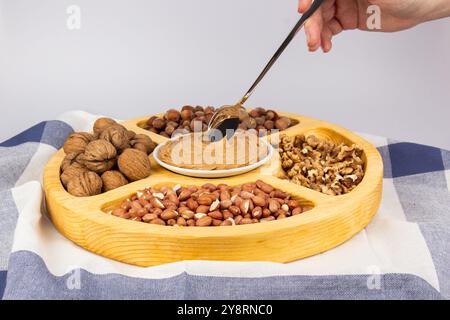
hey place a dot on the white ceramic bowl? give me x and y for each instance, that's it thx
(214, 173)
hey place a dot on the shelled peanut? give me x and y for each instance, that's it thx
(210, 205)
(195, 119)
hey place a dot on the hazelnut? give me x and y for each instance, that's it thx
(113, 179)
(208, 117)
(102, 123)
(99, 156)
(85, 185)
(187, 107)
(150, 121)
(134, 164)
(254, 113)
(260, 121)
(282, 123)
(196, 125)
(269, 124)
(209, 110)
(271, 115)
(159, 124)
(199, 114)
(186, 114)
(170, 128)
(77, 142)
(173, 115)
(261, 110)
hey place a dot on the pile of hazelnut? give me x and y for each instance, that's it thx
(104, 160)
(321, 165)
(210, 205)
(195, 119)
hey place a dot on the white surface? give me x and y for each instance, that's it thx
(138, 57)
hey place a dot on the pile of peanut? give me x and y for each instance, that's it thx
(321, 165)
(195, 119)
(210, 205)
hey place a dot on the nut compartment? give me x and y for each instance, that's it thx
(259, 119)
(227, 205)
(332, 221)
(321, 159)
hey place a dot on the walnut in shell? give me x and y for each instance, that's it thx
(87, 184)
(113, 179)
(131, 134)
(102, 123)
(117, 136)
(77, 142)
(134, 164)
(71, 172)
(143, 143)
(99, 156)
(72, 159)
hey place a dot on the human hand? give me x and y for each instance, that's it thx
(334, 16)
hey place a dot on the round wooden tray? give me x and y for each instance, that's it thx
(332, 221)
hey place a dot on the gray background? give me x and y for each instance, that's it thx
(134, 58)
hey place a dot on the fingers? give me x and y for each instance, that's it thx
(326, 39)
(335, 26)
(321, 26)
(313, 30)
(304, 5)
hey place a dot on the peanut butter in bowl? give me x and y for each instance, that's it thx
(193, 154)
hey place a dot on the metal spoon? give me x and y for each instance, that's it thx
(226, 119)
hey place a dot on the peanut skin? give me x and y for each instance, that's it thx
(210, 205)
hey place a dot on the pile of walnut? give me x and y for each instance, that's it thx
(195, 119)
(104, 160)
(321, 165)
(210, 205)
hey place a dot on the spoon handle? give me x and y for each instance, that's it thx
(316, 4)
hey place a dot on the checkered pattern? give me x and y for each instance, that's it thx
(403, 254)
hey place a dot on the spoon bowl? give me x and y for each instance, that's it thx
(225, 122)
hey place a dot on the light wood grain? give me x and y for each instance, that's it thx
(333, 220)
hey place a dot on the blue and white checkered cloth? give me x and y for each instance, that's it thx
(403, 254)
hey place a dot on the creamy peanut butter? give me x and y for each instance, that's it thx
(194, 151)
